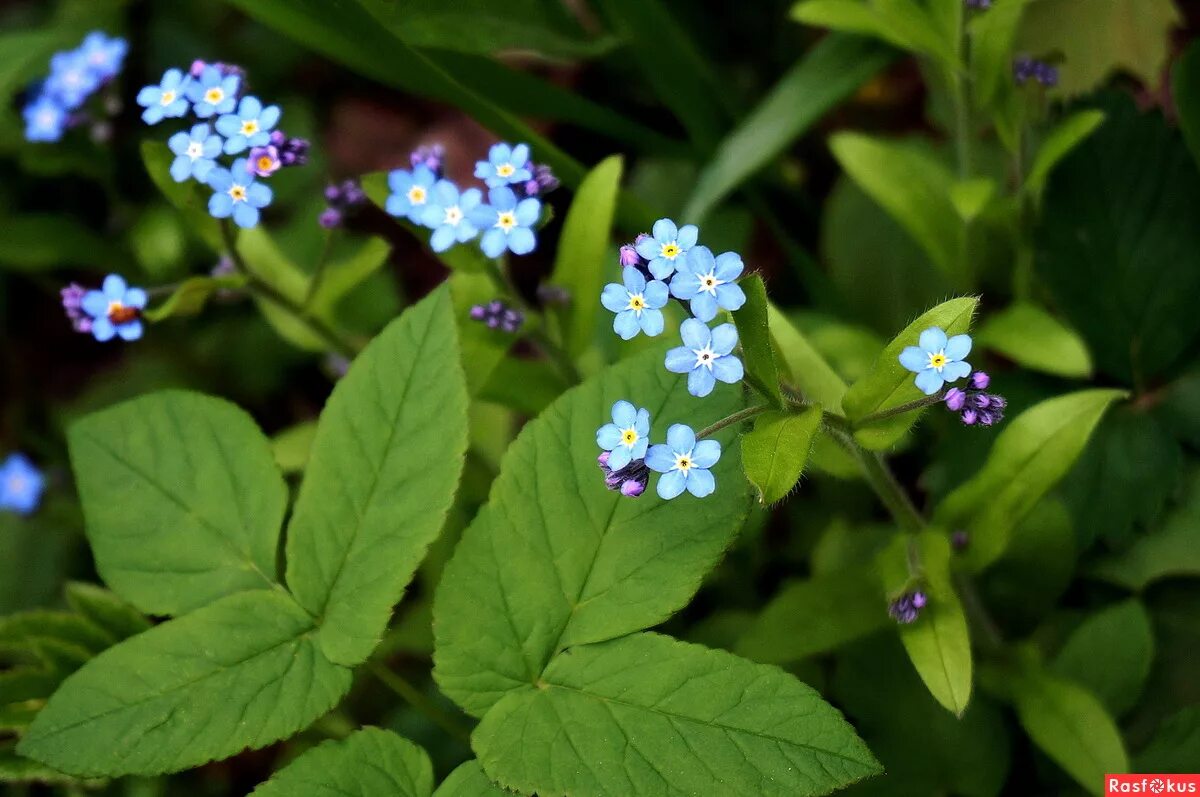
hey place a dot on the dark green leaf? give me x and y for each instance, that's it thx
(1173, 550)
(775, 452)
(803, 365)
(1185, 84)
(105, 610)
(38, 242)
(1058, 144)
(1176, 745)
(367, 763)
(1110, 655)
(1031, 337)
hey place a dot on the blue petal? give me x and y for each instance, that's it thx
(728, 266)
(179, 143)
(701, 382)
(695, 334)
(493, 243)
(728, 369)
(685, 285)
(665, 231)
(647, 248)
(652, 322)
(620, 457)
(680, 360)
(499, 154)
(671, 484)
(520, 155)
(229, 125)
(638, 451)
(958, 347)
(655, 294)
(700, 482)
(398, 205)
(633, 279)
(502, 198)
(731, 297)
(704, 306)
(528, 211)
(245, 215)
(929, 381)
(269, 117)
(681, 438)
(131, 330)
(914, 359)
(181, 168)
(442, 238)
(706, 453)
(400, 181)
(614, 297)
(152, 115)
(259, 195)
(250, 107)
(626, 324)
(642, 423)
(95, 304)
(662, 268)
(470, 199)
(660, 458)
(424, 177)
(608, 436)
(236, 143)
(724, 338)
(954, 371)
(135, 297)
(484, 171)
(700, 260)
(150, 95)
(933, 339)
(114, 287)
(483, 216)
(624, 414)
(688, 233)
(202, 168)
(103, 329)
(220, 205)
(521, 241)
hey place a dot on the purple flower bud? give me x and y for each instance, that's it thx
(969, 417)
(981, 400)
(629, 255)
(277, 138)
(431, 156)
(224, 267)
(330, 218)
(264, 161)
(478, 312)
(337, 365)
(72, 303)
(497, 315)
(293, 151)
(919, 600)
(543, 181)
(603, 458)
(959, 540)
(352, 193)
(553, 294)
(197, 68)
(230, 69)
(981, 5)
(333, 194)
(633, 488)
(955, 399)
(907, 607)
(980, 380)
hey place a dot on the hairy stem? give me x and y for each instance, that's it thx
(420, 701)
(730, 420)
(921, 403)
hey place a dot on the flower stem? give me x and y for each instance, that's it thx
(420, 701)
(730, 420)
(921, 403)
(318, 276)
(538, 335)
(881, 479)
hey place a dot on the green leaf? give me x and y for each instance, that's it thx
(556, 560)
(1058, 144)
(1110, 655)
(190, 198)
(1173, 550)
(937, 642)
(826, 75)
(648, 715)
(242, 672)
(970, 197)
(1029, 336)
(889, 384)
(15, 769)
(1037, 567)
(1175, 746)
(382, 474)
(469, 780)
(903, 23)
(775, 452)
(191, 296)
(583, 251)
(1070, 726)
(807, 369)
(158, 242)
(483, 349)
(815, 616)
(199, 499)
(267, 262)
(754, 333)
(1185, 85)
(24, 631)
(39, 242)
(344, 275)
(104, 609)
(367, 763)
(526, 386)
(992, 37)
(293, 445)
(1033, 452)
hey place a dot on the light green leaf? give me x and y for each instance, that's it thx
(970, 197)
(648, 715)
(583, 261)
(556, 560)
(159, 242)
(814, 616)
(526, 386)
(1110, 654)
(382, 474)
(808, 370)
(206, 497)
(483, 349)
(1070, 726)
(754, 333)
(903, 23)
(15, 769)
(1185, 85)
(1173, 550)
(267, 262)
(992, 37)
(25, 631)
(890, 384)
(191, 296)
(104, 609)
(293, 445)
(1059, 142)
(190, 198)
(1029, 336)
(938, 643)
(469, 780)
(242, 672)
(1031, 455)
(344, 275)
(367, 763)
(39, 242)
(775, 452)
(832, 70)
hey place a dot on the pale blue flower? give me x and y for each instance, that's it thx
(410, 192)
(116, 309)
(249, 126)
(705, 356)
(72, 80)
(166, 100)
(627, 437)
(638, 304)
(505, 165)
(195, 153)
(104, 55)
(446, 214)
(684, 463)
(708, 282)
(21, 485)
(507, 223)
(664, 248)
(213, 92)
(45, 119)
(937, 360)
(237, 193)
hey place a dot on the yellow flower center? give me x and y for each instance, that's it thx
(937, 360)
(670, 251)
(120, 314)
(637, 302)
(505, 170)
(168, 97)
(265, 163)
(683, 462)
(416, 195)
(629, 436)
(214, 95)
(238, 193)
(506, 220)
(249, 127)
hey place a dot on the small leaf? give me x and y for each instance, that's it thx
(775, 452)
(1031, 455)
(469, 780)
(200, 499)
(190, 198)
(1110, 654)
(242, 672)
(23, 631)
(1066, 136)
(648, 715)
(267, 262)
(191, 296)
(755, 337)
(367, 763)
(992, 37)
(806, 368)
(344, 275)
(293, 446)
(483, 349)
(903, 23)
(970, 197)
(1029, 336)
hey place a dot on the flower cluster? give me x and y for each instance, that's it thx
(343, 198)
(1026, 69)
(240, 124)
(628, 458)
(75, 76)
(497, 315)
(937, 359)
(21, 485)
(907, 608)
(113, 311)
(974, 405)
(504, 223)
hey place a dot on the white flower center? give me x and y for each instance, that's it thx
(167, 98)
(453, 216)
(684, 463)
(709, 283)
(506, 220)
(505, 170)
(705, 357)
(249, 127)
(637, 303)
(670, 251)
(195, 150)
(938, 360)
(416, 195)
(214, 95)
(629, 437)
(237, 192)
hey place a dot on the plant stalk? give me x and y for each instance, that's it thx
(420, 701)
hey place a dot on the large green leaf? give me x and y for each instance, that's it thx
(1031, 455)
(1173, 550)
(182, 498)
(368, 763)
(806, 368)
(1029, 336)
(381, 476)
(555, 559)
(904, 23)
(1110, 654)
(775, 452)
(648, 715)
(105, 610)
(469, 780)
(242, 672)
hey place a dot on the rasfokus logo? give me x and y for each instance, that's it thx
(1151, 784)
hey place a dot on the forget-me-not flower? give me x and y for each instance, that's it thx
(104, 55)
(684, 463)
(195, 153)
(708, 282)
(410, 192)
(705, 356)
(937, 360)
(505, 165)
(116, 309)
(21, 485)
(506, 223)
(638, 304)
(166, 100)
(627, 437)
(71, 79)
(446, 214)
(45, 119)
(213, 92)
(237, 193)
(666, 246)
(249, 126)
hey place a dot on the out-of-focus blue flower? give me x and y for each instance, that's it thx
(684, 463)
(627, 437)
(446, 214)
(213, 92)
(104, 55)
(45, 119)
(638, 304)
(195, 153)
(937, 360)
(116, 309)
(21, 485)
(708, 282)
(667, 244)
(166, 100)
(506, 165)
(250, 126)
(506, 223)
(410, 192)
(237, 193)
(71, 79)
(705, 356)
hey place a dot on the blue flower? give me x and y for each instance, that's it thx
(447, 214)
(410, 192)
(638, 304)
(237, 193)
(627, 437)
(71, 79)
(213, 92)
(667, 244)
(21, 485)
(251, 126)
(103, 55)
(507, 223)
(195, 153)
(505, 165)
(709, 282)
(936, 360)
(167, 99)
(45, 119)
(116, 309)
(705, 356)
(684, 463)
